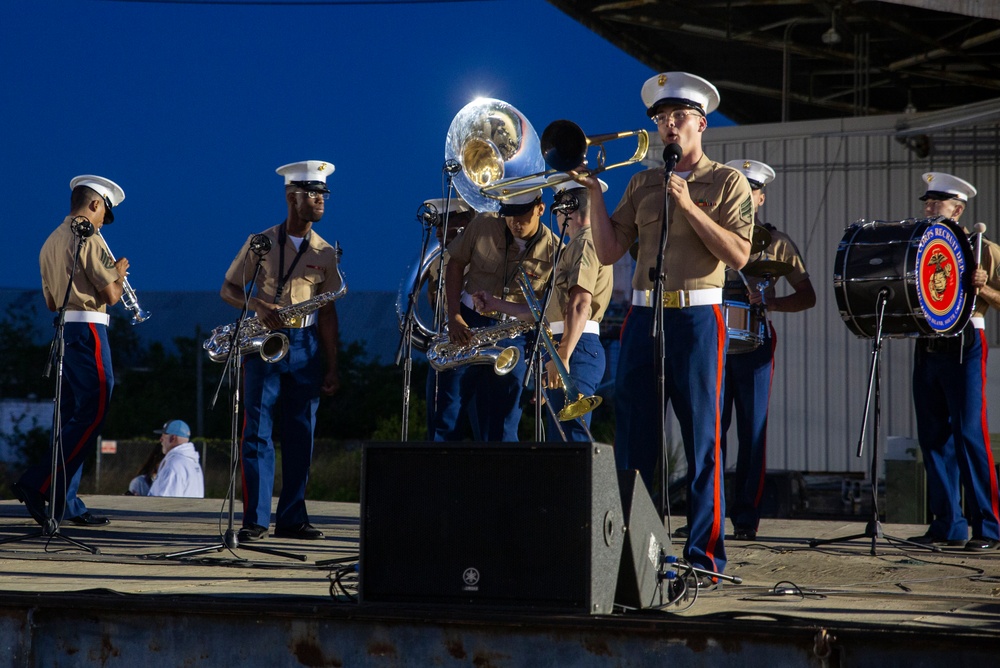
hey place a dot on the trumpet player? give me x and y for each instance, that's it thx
(581, 292)
(492, 248)
(296, 264)
(87, 374)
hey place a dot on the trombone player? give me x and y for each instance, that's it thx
(581, 292)
(709, 213)
(486, 258)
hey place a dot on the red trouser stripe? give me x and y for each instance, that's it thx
(985, 423)
(720, 354)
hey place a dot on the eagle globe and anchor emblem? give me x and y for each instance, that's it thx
(941, 267)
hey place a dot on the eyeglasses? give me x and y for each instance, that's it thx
(312, 194)
(677, 116)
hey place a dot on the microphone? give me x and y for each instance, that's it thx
(672, 154)
(452, 166)
(428, 215)
(82, 227)
(979, 228)
(567, 204)
(260, 244)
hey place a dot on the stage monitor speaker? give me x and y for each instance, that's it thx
(503, 525)
(646, 542)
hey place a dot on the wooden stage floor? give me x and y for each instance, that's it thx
(840, 588)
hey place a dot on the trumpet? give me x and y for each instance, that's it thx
(575, 404)
(564, 147)
(129, 299)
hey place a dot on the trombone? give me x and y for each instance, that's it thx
(564, 147)
(575, 404)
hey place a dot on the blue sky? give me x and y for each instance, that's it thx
(190, 108)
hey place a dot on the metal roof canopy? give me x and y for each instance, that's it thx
(781, 60)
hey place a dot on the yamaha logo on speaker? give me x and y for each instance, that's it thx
(471, 579)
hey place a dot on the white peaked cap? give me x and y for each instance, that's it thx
(939, 183)
(307, 172)
(679, 88)
(570, 185)
(106, 188)
(759, 174)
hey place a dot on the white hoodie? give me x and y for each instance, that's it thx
(179, 474)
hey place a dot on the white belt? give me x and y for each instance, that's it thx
(88, 316)
(592, 327)
(679, 298)
(978, 322)
(467, 300)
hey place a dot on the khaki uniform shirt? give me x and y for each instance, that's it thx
(315, 273)
(491, 257)
(781, 249)
(578, 266)
(720, 191)
(95, 269)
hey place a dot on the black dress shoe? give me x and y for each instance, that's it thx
(251, 532)
(682, 532)
(32, 500)
(931, 539)
(89, 519)
(304, 531)
(982, 544)
(744, 534)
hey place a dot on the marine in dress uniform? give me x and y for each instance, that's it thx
(299, 266)
(749, 374)
(710, 219)
(581, 293)
(949, 395)
(446, 421)
(486, 257)
(88, 377)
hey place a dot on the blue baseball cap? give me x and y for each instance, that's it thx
(175, 428)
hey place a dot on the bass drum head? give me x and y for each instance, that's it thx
(944, 258)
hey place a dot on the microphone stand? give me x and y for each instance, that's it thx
(535, 368)
(231, 370)
(658, 333)
(57, 353)
(873, 529)
(405, 348)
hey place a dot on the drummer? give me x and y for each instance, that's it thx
(748, 375)
(949, 396)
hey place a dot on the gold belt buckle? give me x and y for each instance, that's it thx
(673, 299)
(295, 322)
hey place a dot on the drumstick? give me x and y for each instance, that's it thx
(979, 228)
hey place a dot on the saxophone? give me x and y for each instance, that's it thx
(443, 354)
(255, 337)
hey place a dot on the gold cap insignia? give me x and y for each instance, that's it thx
(661, 80)
(746, 164)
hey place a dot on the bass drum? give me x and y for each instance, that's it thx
(423, 274)
(924, 268)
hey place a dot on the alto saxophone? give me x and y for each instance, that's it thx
(443, 354)
(255, 337)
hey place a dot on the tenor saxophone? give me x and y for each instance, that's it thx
(443, 354)
(256, 338)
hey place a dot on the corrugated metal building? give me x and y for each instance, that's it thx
(830, 174)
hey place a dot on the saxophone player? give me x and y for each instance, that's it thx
(296, 265)
(88, 375)
(492, 248)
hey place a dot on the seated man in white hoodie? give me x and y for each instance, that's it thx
(179, 473)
